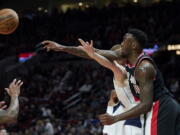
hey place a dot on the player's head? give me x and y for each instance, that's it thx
(133, 40)
(139, 37)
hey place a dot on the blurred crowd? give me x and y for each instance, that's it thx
(63, 94)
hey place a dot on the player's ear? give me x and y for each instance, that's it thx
(134, 45)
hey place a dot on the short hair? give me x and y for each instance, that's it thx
(115, 47)
(140, 37)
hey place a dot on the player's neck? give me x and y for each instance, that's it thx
(133, 57)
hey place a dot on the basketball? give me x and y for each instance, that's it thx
(9, 21)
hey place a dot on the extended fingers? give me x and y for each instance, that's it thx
(45, 42)
(83, 43)
(3, 107)
(2, 103)
(46, 45)
(91, 43)
(19, 83)
(14, 81)
(7, 90)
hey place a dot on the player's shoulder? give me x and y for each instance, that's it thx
(146, 64)
(145, 68)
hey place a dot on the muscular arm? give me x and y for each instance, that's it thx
(145, 75)
(11, 113)
(111, 55)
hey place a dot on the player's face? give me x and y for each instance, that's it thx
(126, 45)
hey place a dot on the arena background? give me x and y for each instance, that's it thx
(68, 92)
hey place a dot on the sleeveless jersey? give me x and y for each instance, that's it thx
(159, 86)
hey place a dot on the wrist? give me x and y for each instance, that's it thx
(59, 47)
(117, 118)
(92, 55)
(63, 48)
(14, 96)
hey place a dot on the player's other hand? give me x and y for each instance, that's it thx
(87, 47)
(14, 88)
(51, 45)
(107, 119)
(3, 105)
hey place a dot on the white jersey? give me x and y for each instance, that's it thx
(124, 93)
(126, 97)
(120, 128)
(116, 128)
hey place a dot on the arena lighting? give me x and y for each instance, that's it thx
(173, 47)
(135, 1)
(177, 52)
(40, 9)
(80, 4)
(87, 6)
(45, 10)
(150, 51)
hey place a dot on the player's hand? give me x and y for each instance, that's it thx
(107, 119)
(14, 88)
(2, 105)
(50, 45)
(87, 47)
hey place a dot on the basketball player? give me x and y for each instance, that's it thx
(161, 112)
(10, 115)
(122, 89)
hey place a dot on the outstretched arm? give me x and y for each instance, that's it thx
(87, 47)
(10, 115)
(50, 45)
(145, 75)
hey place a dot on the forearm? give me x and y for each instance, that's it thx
(13, 109)
(134, 112)
(75, 51)
(110, 55)
(11, 113)
(146, 98)
(103, 61)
